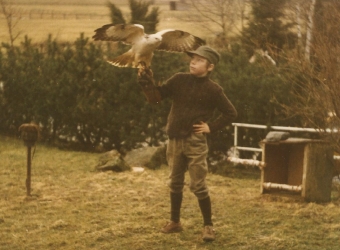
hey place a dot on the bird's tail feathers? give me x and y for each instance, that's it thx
(125, 60)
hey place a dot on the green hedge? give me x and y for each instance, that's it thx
(81, 101)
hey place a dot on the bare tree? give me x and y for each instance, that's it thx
(225, 17)
(315, 82)
(12, 16)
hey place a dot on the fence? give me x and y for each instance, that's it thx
(280, 128)
(54, 15)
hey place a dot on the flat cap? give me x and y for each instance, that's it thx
(207, 52)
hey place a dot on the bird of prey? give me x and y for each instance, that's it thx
(143, 45)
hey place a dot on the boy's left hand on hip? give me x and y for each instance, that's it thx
(202, 127)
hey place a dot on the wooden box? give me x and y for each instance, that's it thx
(296, 165)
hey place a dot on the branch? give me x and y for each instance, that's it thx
(223, 13)
(9, 13)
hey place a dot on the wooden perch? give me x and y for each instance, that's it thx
(269, 185)
(257, 163)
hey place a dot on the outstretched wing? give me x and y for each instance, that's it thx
(178, 41)
(127, 33)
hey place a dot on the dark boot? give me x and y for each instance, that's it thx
(174, 225)
(205, 206)
(208, 233)
(176, 203)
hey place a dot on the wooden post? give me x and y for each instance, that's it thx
(269, 186)
(173, 5)
(250, 162)
(29, 133)
(318, 173)
(29, 163)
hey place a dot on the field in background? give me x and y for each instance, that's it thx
(65, 20)
(78, 2)
(74, 207)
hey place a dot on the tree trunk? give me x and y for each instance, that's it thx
(298, 22)
(310, 24)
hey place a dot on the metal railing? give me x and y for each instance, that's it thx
(280, 128)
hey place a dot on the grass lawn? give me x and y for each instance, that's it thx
(74, 207)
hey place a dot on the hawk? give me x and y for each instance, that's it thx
(143, 45)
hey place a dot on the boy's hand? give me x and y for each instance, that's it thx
(201, 128)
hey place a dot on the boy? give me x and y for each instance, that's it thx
(194, 100)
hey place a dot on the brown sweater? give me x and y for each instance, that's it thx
(193, 100)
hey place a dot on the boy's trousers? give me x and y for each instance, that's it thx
(189, 153)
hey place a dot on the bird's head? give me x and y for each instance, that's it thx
(153, 40)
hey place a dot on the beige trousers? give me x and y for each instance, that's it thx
(190, 154)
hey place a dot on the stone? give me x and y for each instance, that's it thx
(112, 160)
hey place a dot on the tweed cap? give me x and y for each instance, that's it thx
(205, 51)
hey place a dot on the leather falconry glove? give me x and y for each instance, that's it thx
(145, 75)
(146, 81)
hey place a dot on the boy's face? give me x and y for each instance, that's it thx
(199, 66)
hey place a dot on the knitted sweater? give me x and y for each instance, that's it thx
(193, 100)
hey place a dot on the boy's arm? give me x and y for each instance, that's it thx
(228, 113)
(149, 87)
